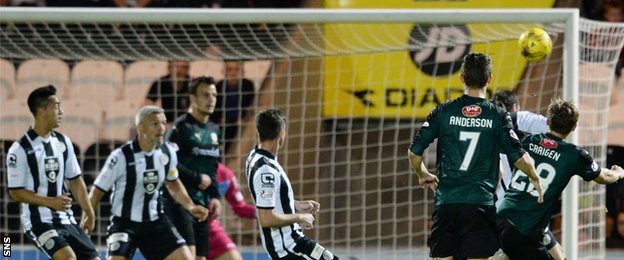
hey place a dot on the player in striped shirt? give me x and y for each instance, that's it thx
(136, 172)
(280, 216)
(38, 164)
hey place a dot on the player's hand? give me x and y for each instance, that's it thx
(214, 206)
(429, 181)
(87, 223)
(538, 187)
(205, 182)
(306, 220)
(199, 212)
(307, 206)
(619, 171)
(61, 202)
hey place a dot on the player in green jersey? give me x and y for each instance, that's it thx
(556, 162)
(197, 141)
(471, 132)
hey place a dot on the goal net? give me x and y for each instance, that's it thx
(355, 85)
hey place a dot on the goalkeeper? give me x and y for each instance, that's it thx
(525, 221)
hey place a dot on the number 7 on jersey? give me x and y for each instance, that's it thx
(473, 138)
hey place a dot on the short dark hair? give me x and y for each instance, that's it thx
(269, 123)
(39, 98)
(562, 115)
(476, 69)
(194, 85)
(505, 99)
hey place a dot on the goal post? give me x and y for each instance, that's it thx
(340, 149)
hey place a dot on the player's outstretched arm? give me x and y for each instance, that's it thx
(79, 189)
(179, 194)
(525, 164)
(307, 206)
(608, 176)
(269, 218)
(426, 179)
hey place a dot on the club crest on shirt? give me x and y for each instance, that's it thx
(548, 143)
(61, 146)
(164, 159)
(150, 180)
(471, 111)
(51, 168)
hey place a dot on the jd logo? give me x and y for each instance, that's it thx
(438, 50)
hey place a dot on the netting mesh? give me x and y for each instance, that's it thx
(355, 95)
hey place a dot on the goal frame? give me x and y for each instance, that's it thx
(567, 16)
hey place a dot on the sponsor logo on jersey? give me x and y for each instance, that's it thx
(12, 160)
(548, 143)
(51, 167)
(214, 138)
(595, 166)
(471, 111)
(112, 162)
(150, 180)
(267, 194)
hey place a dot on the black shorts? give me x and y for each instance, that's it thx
(549, 239)
(49, 238)
(194, 232)
(308, 247)
(156, 239)
(520, 246)
(464, 230)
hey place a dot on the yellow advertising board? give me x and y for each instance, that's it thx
(407, 83)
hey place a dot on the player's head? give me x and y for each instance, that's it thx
(476, 70)
(562, 116)
(612, 11)
(151, 123)
(506, 99)
(203, 95)
(45, 105)
(233, 71)
(271, 125)
(178, 68)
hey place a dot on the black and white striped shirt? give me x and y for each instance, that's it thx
(271, 189)
(136, 178)
(42, 165)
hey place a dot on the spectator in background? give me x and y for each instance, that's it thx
(172, 91)
(617, 238)
(235, 95)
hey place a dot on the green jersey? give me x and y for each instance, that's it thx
(197, 147)
(471, 133)
(556, 161)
